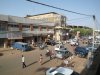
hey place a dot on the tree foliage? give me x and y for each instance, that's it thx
(83, 31)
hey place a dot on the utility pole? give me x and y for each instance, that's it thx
(93, 32)
(90, 53)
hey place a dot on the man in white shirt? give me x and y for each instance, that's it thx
(23, 62)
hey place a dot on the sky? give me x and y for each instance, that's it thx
(22, 8)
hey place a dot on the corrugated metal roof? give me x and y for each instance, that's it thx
(3, 17)
(26, 21)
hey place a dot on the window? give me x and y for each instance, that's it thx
(59, 74)
(35, 28)
(22, 45)
(25, 46)
(3, 27)
(43, 28)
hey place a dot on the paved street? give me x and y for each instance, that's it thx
(10, 62)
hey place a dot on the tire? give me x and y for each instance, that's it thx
(81, 55)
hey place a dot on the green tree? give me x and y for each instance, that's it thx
(83, 31)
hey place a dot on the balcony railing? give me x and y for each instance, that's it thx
(39, 32)
(13, 29)
(11, 34)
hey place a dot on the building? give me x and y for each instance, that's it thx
(51, 17)
(13, 28)
(30, 28)
(61, 33)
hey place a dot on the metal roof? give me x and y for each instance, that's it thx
(3, 17)
(24, 21)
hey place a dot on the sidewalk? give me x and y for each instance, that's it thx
(5, 49)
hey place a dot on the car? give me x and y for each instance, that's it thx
(90, 48)
(59, 42)
(68, 41)
(81, 51)
(74, 43)
(60, 71)
(50, 42)
(62, 54)
(59, 47)
(41, 45)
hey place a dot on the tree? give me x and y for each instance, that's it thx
(83, 31)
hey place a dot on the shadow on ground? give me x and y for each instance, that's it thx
(1, 54)
(42, 69)
(31, 63)
(47, 61)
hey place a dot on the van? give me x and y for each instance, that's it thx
(21, 46)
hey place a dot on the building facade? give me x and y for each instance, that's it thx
(13, 28)
(59, 21)
(50, 17)
(30, 28)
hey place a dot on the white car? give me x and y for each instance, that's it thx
(68, 41)
(59, 47)
(60, 71)
(74, 43)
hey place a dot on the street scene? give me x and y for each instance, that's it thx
(10, 62)
(50, 37)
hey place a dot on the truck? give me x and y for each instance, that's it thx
(21, 46)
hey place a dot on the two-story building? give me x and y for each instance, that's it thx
(59, 20)
(13, 28)
(51, 17)
(31, 28)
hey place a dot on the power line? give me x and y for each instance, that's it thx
(77, 18)
(57, 8)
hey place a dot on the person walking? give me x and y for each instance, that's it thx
(41, 59)
(66, 62)
(23, 62)
(50, 54)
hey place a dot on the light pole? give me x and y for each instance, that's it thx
(93, 32)
(90, 53)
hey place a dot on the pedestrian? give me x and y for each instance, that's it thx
(23, 62)
(41, 59)
(47, 52)
(50, 54)
(32, 42)
(66, 62)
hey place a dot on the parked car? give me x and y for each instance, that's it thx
(21, 46)
(60, 71)
(74, 43)
(59, 47)
(81, 51)
(50, 42)
(62, 54)
(59, 42)
(90, 47)
(41, 45)
(68, 41)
